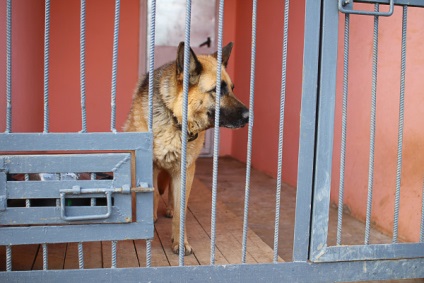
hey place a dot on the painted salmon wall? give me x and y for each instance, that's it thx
(65, 63)
(27, 65)
(268, 84)
(64, 78)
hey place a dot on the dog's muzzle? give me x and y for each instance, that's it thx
(232, 118)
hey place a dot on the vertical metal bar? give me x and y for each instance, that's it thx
(151, 61)
(114, 254)
(250, 132)
(184, 130)
(216, 129)
(308, 119)
(114, 66)
(27, 201)
(344, 129)
(281, 131)
(82, 68)
(372, 127)
(8, 66)
(422, 215)
(401, 122)
(148, 253)
(9, 258)
(80, 256)
(57, 177)
(45, 257)
(93, 200)
(324, 139)
(46, 65)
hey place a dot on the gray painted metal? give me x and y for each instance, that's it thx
(325, 126)
(346, 6)
(8, 66)
(216, 130)
(410, 3)
(372, 127)
(140, 142)
(114, 66)
(186, 75)
(368, 252)
(313, 260)
(119, 163)
(82, 67)
(250, 132)
(78, 233)
(46, 64)
(401, 125)
(275, 272)
(86, 216)
(307, 130)
(281, 130)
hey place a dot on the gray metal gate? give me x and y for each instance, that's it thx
(314, 260)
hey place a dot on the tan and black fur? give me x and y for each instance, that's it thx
(167, 118)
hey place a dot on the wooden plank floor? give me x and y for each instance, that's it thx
(133, 253)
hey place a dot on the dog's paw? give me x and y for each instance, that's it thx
(155, 217)
(187, 248)
(169, 212)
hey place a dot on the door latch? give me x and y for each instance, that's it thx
(77, 190)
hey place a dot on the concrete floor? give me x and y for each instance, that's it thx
(231, 191)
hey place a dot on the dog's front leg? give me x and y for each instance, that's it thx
(176, 183)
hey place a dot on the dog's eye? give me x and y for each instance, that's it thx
(224, 88)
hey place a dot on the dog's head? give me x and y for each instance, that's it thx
(202, 92)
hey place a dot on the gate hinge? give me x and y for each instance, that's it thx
(346, 6)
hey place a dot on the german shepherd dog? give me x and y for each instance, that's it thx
(167, 119)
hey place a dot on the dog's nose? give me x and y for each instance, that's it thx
(245, 115)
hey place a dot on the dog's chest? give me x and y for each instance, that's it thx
(167, 150)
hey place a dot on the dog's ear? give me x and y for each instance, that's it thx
(226, 52)
(195, 67)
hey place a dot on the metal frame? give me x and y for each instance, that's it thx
(275, 272)
(319, 251)
(313, 261)
(140, 144)
(410, 3)
(118, 163)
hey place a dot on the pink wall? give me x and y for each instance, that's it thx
(226, 135)
(356, 178)
(64, 86)
(27, 65)
(65, 66)
(268, 84)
